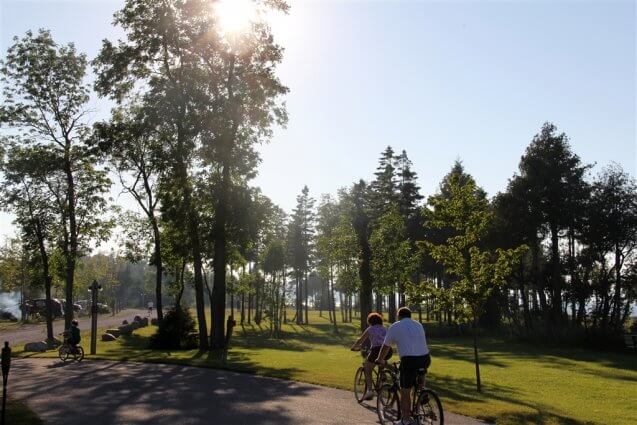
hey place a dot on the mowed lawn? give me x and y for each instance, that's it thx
(522, 384)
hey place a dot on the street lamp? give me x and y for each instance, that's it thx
(6, 365)
(95, 288)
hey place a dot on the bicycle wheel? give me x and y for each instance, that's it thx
(387, 404)
(429, 409)
(359, 385)
(63, 352)
(80, 354)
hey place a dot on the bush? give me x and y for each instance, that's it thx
(176, 331)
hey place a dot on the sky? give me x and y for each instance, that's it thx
(471, 80)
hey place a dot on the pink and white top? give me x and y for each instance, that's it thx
(376, 335)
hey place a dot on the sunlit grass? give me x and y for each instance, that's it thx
(522, 384)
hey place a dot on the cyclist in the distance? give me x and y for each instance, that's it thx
(409, 337)
(74, 337)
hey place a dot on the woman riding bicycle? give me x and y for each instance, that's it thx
(373, 336)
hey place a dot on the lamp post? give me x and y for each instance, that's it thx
(95, 288)
(6, 365)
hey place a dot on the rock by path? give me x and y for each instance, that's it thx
(37, 332)
(114, 393)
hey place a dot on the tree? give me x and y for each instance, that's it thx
(553, 178)
(357, 209)
(301, 235)
(45, 101)
(28, 173)
(392, 262)
(133, 148)
(327, 249)
(611, 228)
(478, 271)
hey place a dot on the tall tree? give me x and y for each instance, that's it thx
(133, 148)
(357, 206)
(301, 245)
(556, 192)
(391, 261)
(45, 101)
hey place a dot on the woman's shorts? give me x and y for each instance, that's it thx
(375, 351)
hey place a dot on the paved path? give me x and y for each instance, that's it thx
(37, 332)
(113, 393)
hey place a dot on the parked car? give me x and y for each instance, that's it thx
(38, 306)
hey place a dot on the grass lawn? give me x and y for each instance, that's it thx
(522, 384)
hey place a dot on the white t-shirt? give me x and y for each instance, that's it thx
(409, 337)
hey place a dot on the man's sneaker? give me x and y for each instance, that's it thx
(369, 395)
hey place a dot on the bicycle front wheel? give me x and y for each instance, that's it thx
(80, 354)
(429, 409)
(387, 404)
(359, 385)
(63, 353)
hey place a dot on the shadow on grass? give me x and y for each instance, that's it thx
(464, 390)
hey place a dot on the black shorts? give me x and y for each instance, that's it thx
(375, 351)
(409, 366)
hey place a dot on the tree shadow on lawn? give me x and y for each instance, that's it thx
(464, 390)
(135, 393)
(490, 348)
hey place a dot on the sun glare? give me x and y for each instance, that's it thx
(235, 15)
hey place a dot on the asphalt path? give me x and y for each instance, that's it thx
(37, 332)
(114, 393)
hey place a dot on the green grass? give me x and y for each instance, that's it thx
(522, 384)
(19, 414)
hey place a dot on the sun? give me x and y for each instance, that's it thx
(235, 15)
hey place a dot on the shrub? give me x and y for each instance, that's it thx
(175, 331)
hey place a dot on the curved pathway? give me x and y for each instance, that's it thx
(113, 393)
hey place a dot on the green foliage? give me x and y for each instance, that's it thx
(478, 271)
(391, 261)
(177, 331)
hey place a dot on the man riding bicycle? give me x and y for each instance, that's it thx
(409, 337)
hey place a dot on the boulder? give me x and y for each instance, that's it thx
(137, 318)
(108, 337)
(125, 330)
(53, 343)
(115, 332)
(144, 322)
(125, 322)
(38, 347)
(134, 325)
(154, 321)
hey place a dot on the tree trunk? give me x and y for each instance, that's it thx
(71, 251)
(391, 306)
(307, 321)
(365, 276)
(475, 354)
(159, 270)
(556, 285)
(618, 267)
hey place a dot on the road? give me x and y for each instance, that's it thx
(37, 332)
(118, 393)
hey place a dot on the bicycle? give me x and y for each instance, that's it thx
(360, 385)
(426, 407)
(66, 350)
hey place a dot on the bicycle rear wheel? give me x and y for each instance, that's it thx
(359, 384)
(429, 409)
(387, 404)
